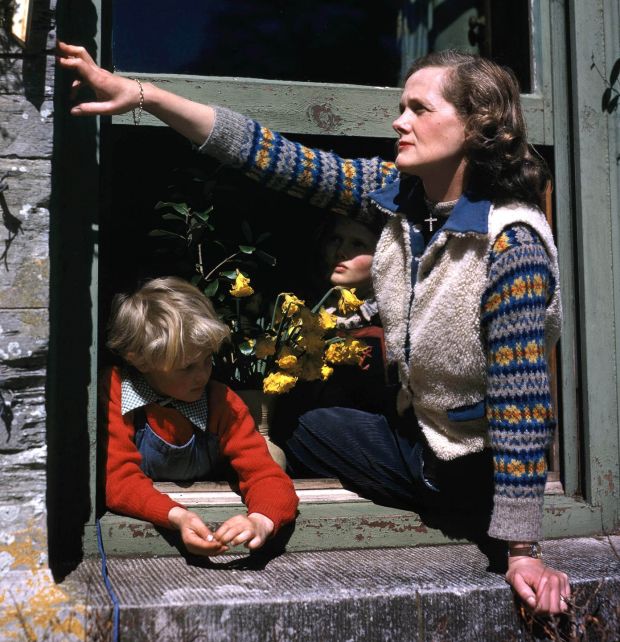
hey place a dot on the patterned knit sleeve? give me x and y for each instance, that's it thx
(323, 178)
(519, 409)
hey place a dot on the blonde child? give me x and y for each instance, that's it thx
(167, 420)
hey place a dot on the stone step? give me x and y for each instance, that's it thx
(424, 593)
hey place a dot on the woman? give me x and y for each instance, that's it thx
(465, 276)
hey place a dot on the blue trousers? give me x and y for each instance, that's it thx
(370, 455)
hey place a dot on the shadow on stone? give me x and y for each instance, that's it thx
(71, 368)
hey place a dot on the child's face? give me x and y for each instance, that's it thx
(185, 383)
(348, 250)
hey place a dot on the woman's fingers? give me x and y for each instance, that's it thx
(524, 590)
(106, 108)
(74, 51)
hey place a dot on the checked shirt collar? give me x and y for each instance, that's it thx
(136, 393)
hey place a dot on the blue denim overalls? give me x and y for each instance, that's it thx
(162, 461)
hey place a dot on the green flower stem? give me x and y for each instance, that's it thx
(275, 307)
(317, 307)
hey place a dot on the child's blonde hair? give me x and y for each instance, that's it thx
(164, 325)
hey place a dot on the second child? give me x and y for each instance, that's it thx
(166, 420)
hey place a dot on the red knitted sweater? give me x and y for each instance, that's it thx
(265, 488)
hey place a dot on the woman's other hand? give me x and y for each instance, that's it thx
(544, 590)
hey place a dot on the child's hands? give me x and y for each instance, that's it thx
(196, 536)
(251, 530)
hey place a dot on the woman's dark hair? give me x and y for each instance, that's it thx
(501, 165)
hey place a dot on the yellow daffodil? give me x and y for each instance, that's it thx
(327, 321)
(347, 352)
(278, 382)
(287, 362)
(241, 288)
(326, 372)
(291, 304)
(348, 301)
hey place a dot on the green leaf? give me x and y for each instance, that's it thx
(266, 258)
(615, 72)
(169, 216)
(195, 223)
(229, 274)
(212, 288)
(204, 216)
(166, 233)
(196, 279)
(247, 249)
(263, 237)
(613, 105)
(181, 208)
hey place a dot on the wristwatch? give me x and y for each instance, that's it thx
(531, 549)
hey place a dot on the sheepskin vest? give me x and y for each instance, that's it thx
(433, 329)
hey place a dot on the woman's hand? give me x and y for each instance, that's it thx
(251, 530)
(115, 94)
(543, 589)
(196, 536)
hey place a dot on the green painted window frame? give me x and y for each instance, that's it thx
(566, 35)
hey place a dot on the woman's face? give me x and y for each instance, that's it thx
(348, 250)
(431, 133)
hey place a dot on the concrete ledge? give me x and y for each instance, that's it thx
(425, 593)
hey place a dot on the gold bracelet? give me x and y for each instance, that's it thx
(136, 118)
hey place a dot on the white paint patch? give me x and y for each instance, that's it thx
(45, 113)
(23, 169)
(14, 349)
(6, 560)
(25, 116)
(25, 210)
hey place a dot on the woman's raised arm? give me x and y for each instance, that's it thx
(117, 95)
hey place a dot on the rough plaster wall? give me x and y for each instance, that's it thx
(31, 606)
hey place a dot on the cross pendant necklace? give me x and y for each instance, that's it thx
(430, 220)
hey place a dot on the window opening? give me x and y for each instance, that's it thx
(345, 41)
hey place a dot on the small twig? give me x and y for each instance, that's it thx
(219, 265)
(28, 632)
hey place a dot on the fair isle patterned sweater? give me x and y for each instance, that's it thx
(518, 400)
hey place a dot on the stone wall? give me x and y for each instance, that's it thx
(31, 605)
